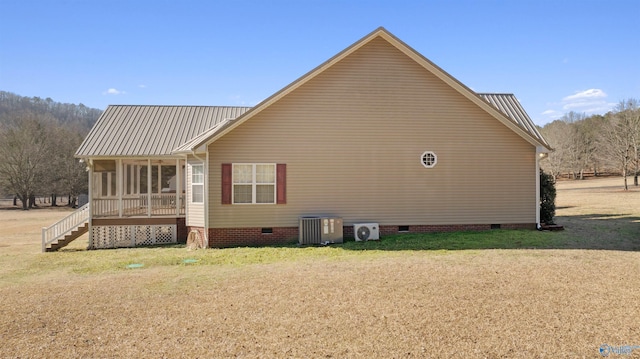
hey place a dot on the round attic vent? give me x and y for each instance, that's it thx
(429, 159)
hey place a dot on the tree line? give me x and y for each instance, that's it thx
(596, 144)
(38, 139)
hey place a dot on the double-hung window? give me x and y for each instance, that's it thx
(197, 184)
(254, 183)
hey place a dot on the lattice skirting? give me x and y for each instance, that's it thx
(132, 236)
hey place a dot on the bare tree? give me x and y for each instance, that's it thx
(620, 135)
(585, 144)
(629, 112)
(24, 149)
(558, 134)
(590, 130)
(66, 174)
(574, 143)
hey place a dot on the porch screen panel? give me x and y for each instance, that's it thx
(113, 181)
(104, 191)
(127, 179)
(105, 178)
(168, 179)
(131, 173)
(142, 176)
(154, 179)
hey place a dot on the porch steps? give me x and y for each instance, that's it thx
(63, 242)
(66, 230)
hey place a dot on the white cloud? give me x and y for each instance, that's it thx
(586, 94)
(113, 91)
(549, 112)
(142, 86)
(590, 102)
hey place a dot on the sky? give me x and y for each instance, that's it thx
(556, 56)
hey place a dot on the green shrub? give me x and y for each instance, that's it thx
(547, 198)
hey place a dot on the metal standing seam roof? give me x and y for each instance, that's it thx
(141, 130)
(509, 105)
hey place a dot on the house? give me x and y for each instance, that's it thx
(378, 133)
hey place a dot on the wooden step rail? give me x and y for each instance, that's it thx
(65, 226)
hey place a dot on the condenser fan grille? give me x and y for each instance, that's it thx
(366, 231)
(363, 233)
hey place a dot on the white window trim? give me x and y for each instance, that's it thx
(254, 183)
(435, 159)
(193, 184)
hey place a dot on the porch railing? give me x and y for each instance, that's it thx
(161, 205)
(65, 226)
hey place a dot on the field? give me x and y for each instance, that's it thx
(496, 294)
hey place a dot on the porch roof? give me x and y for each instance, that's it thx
(143, 130)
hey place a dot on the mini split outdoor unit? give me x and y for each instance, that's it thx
(366, 231)
(320, 230)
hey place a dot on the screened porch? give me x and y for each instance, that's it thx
(137, 188)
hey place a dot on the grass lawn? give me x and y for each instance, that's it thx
(490, 294)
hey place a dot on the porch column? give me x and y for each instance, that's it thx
(178, 188)
(119, 184)
(149, 188)
(90, 194)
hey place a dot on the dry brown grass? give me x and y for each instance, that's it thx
(599, 214)
(460, 304)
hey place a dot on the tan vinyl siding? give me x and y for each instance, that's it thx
(195, 211)
(352, 138)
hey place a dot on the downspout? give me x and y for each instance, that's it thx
(206, 199)
(205, 194)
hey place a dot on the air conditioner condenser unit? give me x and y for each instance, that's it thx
(320, 230)
(366, 231)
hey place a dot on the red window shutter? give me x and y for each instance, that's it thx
(281, 182)
(226, 183)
